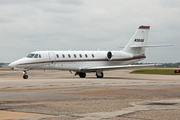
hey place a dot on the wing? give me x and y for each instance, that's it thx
(115, 67)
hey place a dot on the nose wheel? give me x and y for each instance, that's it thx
(25, 76)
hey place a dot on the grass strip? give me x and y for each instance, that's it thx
(160, 72)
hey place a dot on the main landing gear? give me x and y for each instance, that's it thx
(81, 74)
(99, 74)
(25, 76)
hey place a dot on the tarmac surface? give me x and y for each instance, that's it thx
(54, 95)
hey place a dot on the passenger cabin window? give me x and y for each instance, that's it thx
(39, 56)
(30, 56)
(80, 55)
(69, 55)
(86, 55)
(74, 55)
(57, 55)
(36, 56)
(63, 55)
(93, 55)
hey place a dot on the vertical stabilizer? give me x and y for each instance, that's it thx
(138, 39)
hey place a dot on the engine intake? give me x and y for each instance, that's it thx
(115, 55)
(109, 55)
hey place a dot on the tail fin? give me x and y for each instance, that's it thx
(138, 39)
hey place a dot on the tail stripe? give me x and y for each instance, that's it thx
(144, 27)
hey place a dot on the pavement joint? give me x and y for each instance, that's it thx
(138, 106)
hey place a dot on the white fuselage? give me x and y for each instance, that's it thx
(73, 60)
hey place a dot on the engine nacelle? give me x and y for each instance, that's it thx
(117, 55)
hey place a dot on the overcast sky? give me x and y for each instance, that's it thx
(31, 25)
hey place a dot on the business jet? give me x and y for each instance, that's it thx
(82, 62)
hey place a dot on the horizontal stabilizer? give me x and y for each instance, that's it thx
(143, 46)
(116, 67)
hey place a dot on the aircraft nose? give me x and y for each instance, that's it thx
(11, 65)
(16, 63)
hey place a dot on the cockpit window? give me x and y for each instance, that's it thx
(30, 56)
(39, 56)
(36, 56)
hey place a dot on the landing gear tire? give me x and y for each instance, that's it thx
(100, 76)
(82, 75)
(25, 76)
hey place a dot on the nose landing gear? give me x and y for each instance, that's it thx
(25, 76)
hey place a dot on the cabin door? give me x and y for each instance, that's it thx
(52, 59)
